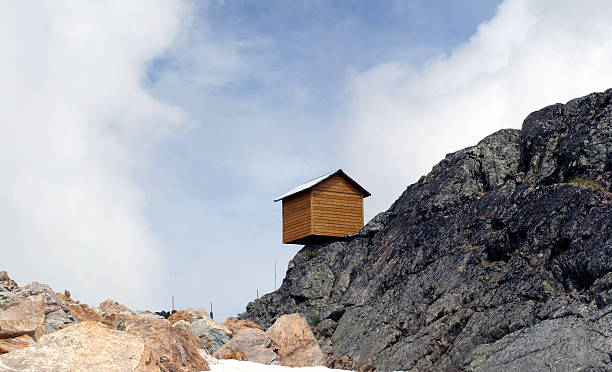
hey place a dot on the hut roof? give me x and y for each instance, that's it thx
(312, 183)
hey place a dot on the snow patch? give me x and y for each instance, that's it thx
(231, 365)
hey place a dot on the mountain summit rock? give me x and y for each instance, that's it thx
(499, 258)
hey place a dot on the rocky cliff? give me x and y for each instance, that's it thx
(501, 257)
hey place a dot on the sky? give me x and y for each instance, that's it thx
(142, 143)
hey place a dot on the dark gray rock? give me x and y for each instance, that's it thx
(327, 327)
(211, 334)
(499, 258)
(548, 345)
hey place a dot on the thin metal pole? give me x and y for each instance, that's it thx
(275, 274)
(172, 303)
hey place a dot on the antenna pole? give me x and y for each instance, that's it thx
(172, 303)
(211, 310)
(275, 274)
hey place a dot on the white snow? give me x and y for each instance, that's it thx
(231, 365)
(307, 185)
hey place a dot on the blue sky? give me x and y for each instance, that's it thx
(142, 143)
(211, 190)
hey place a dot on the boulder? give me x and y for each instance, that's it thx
(57, 313)
(29, 312)
(87, 346)
(173, 349)
(83, 312)
(188, 315)
(182, 328)
(21, 315)
(11, 344)
(212, 335)
(147, 314)
(112, 306)
(250, 344)
(297, 345)
(235, 325)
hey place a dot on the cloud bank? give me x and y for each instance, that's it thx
(402, 119)
(76, 128)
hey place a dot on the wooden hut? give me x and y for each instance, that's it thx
(322, 209)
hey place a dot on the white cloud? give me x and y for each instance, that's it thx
(75, 127)
(402, 119)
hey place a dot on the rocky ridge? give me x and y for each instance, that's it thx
(500, 257)
(45, 331)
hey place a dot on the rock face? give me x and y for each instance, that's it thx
(250, 344)
(501, 257)
(297, 345)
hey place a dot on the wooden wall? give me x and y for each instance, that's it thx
(337, 207)
(297, 221)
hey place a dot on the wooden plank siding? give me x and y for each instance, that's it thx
(337, 208)
(297, 216)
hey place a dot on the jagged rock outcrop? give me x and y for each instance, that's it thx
(499, 258)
